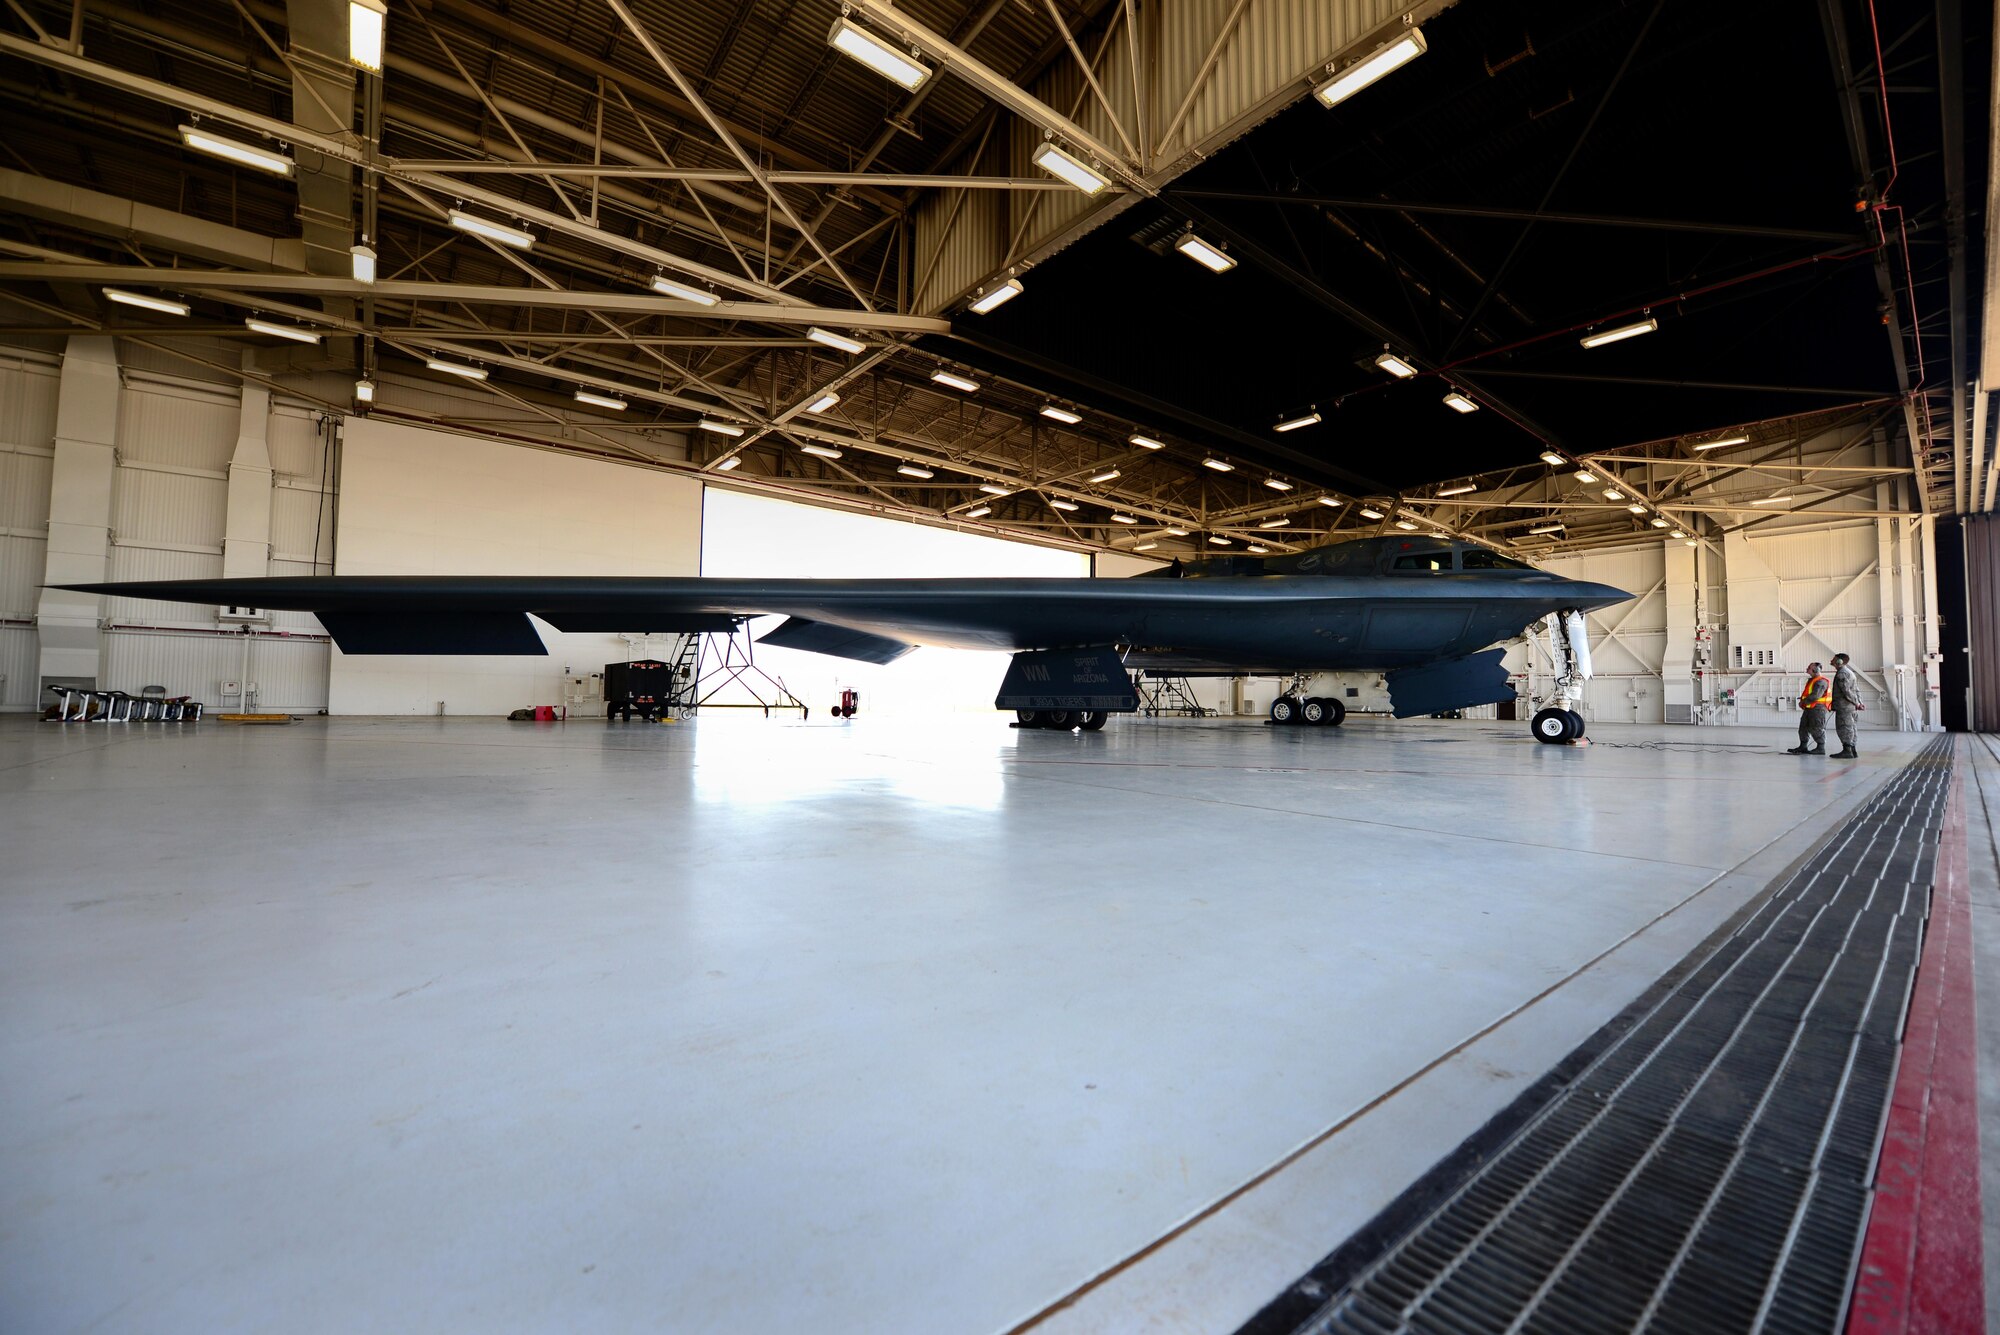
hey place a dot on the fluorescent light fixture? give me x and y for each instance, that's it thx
(954, 381)
(979, 512)
(1370, 512)
(1692, 543)
(896, 66)
(729, 465)
(1056, 503)
(1395, 366)
(1680, 533)
(1219, 465)
(1457, 491)
(364, 391)
(364, 263)
(1068, 167)
(1106, 475)
(719, 428)
(839, 342)
(263, 159)
(1636, 509)
(1621, 333)
(1176, 532)
(291, 331)
(1552, 459)
(364, 33)
(1208, 255)
(914, 470)
(995, 489)
(1774, 500)
(1277, 484)
(518, 238)
(597, 400)
(1458, 403)
(823, 402)
(1123, 519)
(1404, 524)
(996, 297)
(1146, 546)
(1546, 528)
(1279, 522)
(1053, 413)
(1382, 60)
(1147, 442)
(1613, 494)
(456, 368)
(1585, 476)
(1253, 547)
(1332, 502)
(667, 287)
(1725, 440)
(1659, 523)
(1294, 423)
(823, 451)
(1218, 542)
(146, 303)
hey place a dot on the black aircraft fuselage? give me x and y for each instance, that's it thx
(1384, 603)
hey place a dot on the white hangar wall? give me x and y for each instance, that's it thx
(415, 501)
(144, 491)
(1722, 635)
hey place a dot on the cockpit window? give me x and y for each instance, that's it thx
(1473, 558)
(1423, 561)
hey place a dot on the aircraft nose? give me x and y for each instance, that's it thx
(1589, 596)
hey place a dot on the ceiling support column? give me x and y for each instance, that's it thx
(79, 547)
(246, 530)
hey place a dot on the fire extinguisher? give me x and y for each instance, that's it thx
(849, 701)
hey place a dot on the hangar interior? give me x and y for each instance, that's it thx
(398, 1014)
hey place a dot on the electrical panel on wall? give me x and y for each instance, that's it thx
(1748, 658)
(244, 616)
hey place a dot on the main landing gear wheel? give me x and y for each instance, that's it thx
(1028, 718)
(1551, 726)
(1575, 724)
(1336, 712)
(1285, 709)
(1062, 720)
(1312, 710)
(1092, 720)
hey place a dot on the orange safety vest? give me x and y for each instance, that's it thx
(1817, 692)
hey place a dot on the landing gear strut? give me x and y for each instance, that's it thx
(1318, 710)
(1569, 645)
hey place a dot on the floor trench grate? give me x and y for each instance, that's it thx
(1705, 1166)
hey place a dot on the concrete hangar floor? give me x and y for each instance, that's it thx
(744, 1025)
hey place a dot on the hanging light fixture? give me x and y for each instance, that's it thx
(851, 39)
(1381, 61)
(996, 296)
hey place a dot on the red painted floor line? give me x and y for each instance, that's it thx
(1921, 1267)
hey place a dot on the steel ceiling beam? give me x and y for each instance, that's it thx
(1004, 91)
(342, 148)
(1520, 215)
(475, 294)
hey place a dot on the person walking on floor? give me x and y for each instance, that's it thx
(1846, 700)
(1813, 701)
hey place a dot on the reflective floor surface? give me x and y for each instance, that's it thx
(744, 1024)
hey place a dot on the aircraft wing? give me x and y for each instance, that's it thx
(1295, 620)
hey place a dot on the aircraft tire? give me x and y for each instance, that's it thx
(1028, 718)
(1062, 720)
(1285, 709)
(1336, 712)
(1575, 724)
(1551, 726)
(1312, 710)
(1092, 720)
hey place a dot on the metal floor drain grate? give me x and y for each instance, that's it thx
(1707, 1170)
